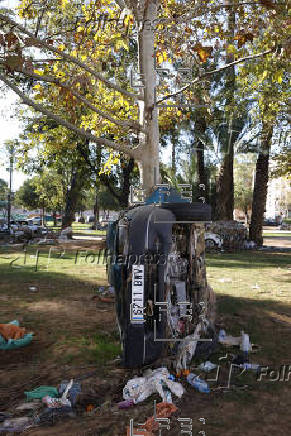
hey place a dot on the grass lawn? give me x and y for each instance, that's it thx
(75, 334)
(79, 228)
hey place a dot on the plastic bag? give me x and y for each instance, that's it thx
(140, 388)
(41, 392)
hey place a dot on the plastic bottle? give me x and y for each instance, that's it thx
(254, 366)
(221, 335)
(197, 383)
(245, 346)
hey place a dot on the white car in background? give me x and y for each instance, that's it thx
(212, 240)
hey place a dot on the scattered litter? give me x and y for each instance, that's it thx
(256, 286)
(187, 348)
(12, 336)
(105, 295)
(228, 340)
(207, 366)
(29, 406)
(253, 366)
(46, 241)
(4, 416)
(71, 389)
(195, 381)
(41, 392)
(49, 415)
(11, 331)
(225, 280)
(16, 424)
(140, 388)
(163, 410)
(245, 346)
(33, 289)
(55, 402)
(125, 404)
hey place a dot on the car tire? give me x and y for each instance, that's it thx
(209, 243)
(189, 211)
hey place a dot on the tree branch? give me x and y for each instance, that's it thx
(65, 85)
(67, 124)
(217, 70)
(39, 42)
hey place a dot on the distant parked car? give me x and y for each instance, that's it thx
(90, 219)
(270, 222)
(212, 240)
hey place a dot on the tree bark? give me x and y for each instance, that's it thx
(148, 162)
(96, 210)
(200, 127)
(126, 170)
(225, 185)
(261, 186)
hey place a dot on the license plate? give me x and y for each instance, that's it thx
(137, 315)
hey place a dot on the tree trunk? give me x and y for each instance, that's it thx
(261, 186)
(55, 218)
(225, 185)
(174, 142)
(148, 162)
(96, 209)
(126, 170)
(200, 127)
(72, 195)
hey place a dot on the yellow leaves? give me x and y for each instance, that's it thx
(64, 3)
(61, 47)
(216, 29)
(161, 57)
(278, 76)
(113, 159)
(264, 75)
(230, 48)
(38, 87)
(38, 72)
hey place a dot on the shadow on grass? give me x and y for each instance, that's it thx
(248, 259)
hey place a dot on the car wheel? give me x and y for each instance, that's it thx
(209, 243)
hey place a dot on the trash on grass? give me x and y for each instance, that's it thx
(125, 404)
(140, 388)
(12, 329)
(55, 402)
(207, 366)
(225, 280)
(16, 424)
(29, 406)
(163, 410)
(41, 392)
(253, 366)
(33, 289)
(195, 381)
(187, 348)
(71, 389)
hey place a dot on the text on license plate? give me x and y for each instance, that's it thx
(137, 294)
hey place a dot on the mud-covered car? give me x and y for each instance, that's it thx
(157, 268)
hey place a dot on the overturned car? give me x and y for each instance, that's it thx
(158, 271)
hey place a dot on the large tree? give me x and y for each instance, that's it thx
(71, 63)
